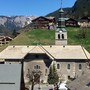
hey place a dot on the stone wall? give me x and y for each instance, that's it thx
(73, 72)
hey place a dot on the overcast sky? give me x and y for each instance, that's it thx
(32, 7)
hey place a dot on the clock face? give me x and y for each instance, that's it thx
(60, 31)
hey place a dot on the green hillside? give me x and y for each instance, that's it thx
(34, 37)
(75, 39)
(47, 37)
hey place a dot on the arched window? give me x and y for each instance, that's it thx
(58, 66)
(62, 36)
(45, 71)
(58, 36)
(36, 67)
(80, 66)
(68, 66)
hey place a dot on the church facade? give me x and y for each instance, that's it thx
(70, 61)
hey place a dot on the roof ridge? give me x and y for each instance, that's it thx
(47, 52)
(29, 51)
(36, 48)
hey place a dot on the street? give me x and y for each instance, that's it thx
(42, 87)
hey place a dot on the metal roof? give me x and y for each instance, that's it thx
(10, 76)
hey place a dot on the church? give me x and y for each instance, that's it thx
(70, 60)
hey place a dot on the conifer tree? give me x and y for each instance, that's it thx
(14, 33)
(53, 76)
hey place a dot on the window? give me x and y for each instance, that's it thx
(36, 67)
(45, 71)
(80, 66)
(1, 62)
(68, 66)
(58, 66)
(58, 36)
(62, 36)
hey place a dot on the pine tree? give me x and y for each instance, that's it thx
(53, 76)
(56, 77)
(14, 33)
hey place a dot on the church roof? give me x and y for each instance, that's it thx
(14, 52)
(36, 49)
(68, 52)
(54, 52)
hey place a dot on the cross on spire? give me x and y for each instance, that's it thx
(61, 3)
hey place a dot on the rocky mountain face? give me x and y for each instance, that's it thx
(14, 22)
(81, 8)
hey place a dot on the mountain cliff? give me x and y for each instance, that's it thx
(81, 8)
(14, 22)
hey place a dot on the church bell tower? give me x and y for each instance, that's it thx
(61, 32)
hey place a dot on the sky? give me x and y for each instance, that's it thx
(32, 7)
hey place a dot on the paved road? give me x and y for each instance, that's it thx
(42, 87)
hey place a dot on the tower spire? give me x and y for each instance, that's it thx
(61, 33)
(61, 3)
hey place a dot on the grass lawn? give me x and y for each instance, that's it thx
(2, 47)
(73, 38)
(47, 37)
(34, 37)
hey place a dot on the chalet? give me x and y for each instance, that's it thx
(71, 22)
(5, 39)
(44, 22)
(84, 19)
(84, 22)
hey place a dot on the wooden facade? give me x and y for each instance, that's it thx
(5, 40)
(84, 19)
(44, 22)
(71, 22)
(84, 22)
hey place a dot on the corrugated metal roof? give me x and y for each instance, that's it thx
(10, 76)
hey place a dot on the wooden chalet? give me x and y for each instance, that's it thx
(84, 19)
(71, 22)
(84, 22)
(5, 40)
(44, 22)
